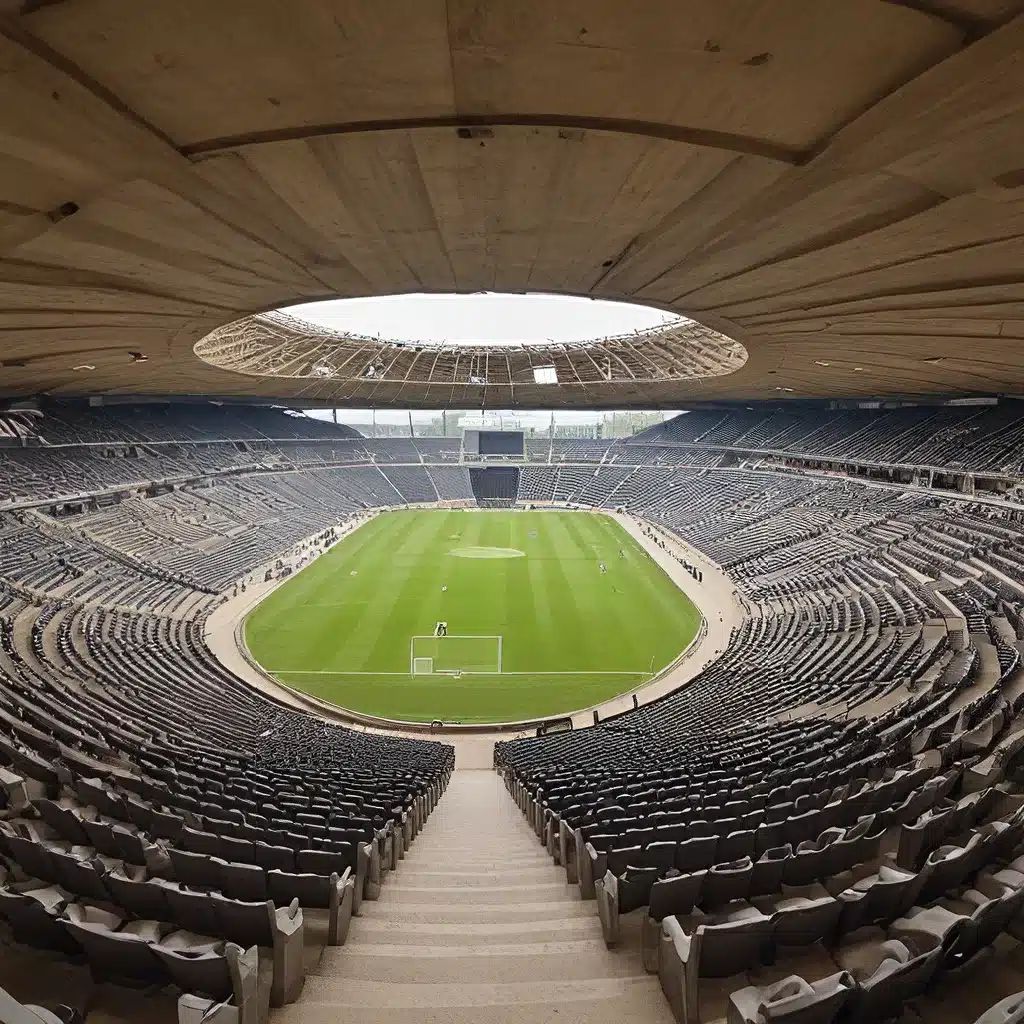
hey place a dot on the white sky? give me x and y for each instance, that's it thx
(482, 318)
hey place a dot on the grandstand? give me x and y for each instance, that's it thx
(846, 758)
(805, 806)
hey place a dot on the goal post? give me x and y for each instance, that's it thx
(447, 655)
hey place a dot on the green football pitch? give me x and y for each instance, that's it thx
(546, 611)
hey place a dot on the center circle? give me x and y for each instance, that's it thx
(486, 552)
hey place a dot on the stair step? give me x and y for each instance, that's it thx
(456, 933)
(476, 912)
(395, 892)
(569, 960)
(474, 854)
(450, 864)
(637, 993)
(465, 878)
(479, 926)
(610, 1011)
(513, 849)
(498, 853)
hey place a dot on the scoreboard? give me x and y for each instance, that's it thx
(493, 442)
(492, 435)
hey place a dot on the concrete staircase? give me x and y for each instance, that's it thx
(477, 926)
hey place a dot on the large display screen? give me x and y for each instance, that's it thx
(501, 442)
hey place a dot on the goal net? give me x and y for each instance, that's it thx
(449, 655)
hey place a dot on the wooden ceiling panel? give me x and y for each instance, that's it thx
(855, 208)
(304, 189)
(984, 12)
(380, 179)
(984, 299)
(975, 90)
(57, 124)
(151, 219)
(789, 72)
(959, 231)
(696, 221)
(205, 70)
(29, 321)
(146, 268)
(27, 186)
(834, 183)
(987, 158)
(933, 274)
(20, 295)
(464, 182)
(636, 190)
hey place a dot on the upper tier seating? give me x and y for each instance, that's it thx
(985, 438)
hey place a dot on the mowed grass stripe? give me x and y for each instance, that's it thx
(355, 610)
(654, 589)
(537, 605)
(566, 575)
(404, 598)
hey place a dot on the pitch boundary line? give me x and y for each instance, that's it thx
(332, 672)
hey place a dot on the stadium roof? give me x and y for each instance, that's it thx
(838, 186)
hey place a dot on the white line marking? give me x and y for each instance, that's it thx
(327, 672)
(465, 672)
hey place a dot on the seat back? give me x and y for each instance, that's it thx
(34, 858)
(310, 890)
(635, 888)
(891, 892)
(193, 911)
(196, 841)
(141, 897)
(195, 869)
(166, 825)
(237, 851)
(946, 867)
(244, 882)
(101, 836)
(113, 954)
(766, 877)
(883, 994)
(63, 820)
(730, 948)
(620, 857)
(247, 923)
(93, 791)
(35, 921)
(83, 877)
(675, 896)
(129, 844)
(736, 844)
(859, 845)
(268, 857)
(987, 923)
(322, 862)
(727, 882)
(801, 926)
(696, 854)
(201, 969)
